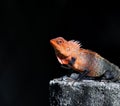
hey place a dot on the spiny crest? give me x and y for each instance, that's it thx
(75, 43)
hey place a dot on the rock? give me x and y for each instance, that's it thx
(67, 92)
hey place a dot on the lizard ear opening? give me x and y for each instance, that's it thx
(75, 43)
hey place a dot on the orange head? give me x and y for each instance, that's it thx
(64, 48)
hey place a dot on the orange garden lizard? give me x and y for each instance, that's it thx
(85, 61)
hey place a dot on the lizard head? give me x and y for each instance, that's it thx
(64, 48)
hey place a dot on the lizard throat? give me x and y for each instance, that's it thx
(61, 56)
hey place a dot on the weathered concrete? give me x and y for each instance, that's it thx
(63, 92)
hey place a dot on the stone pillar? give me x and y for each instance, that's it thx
(65, 92)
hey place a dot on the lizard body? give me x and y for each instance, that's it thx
(71, 54)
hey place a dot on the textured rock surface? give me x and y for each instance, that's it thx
(63, 92)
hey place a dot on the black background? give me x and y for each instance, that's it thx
(27, 60)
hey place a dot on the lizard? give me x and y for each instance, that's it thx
(84, 61)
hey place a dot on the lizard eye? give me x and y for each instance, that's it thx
(59, 41)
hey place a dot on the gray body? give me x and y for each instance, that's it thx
(99, 66)
(111, 71)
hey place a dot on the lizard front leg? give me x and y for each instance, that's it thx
(81, 76)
